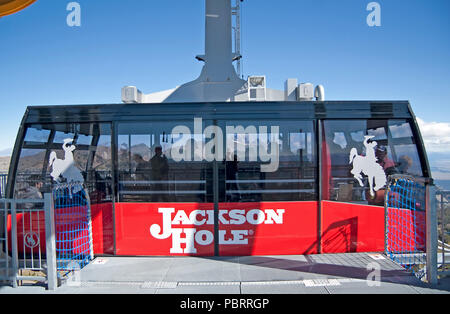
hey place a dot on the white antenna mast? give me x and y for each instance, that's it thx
(236, 12)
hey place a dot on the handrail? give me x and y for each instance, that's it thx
(442, 199)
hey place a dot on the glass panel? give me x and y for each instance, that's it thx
(36, 135)
(163, 162)
(360, 154)
(61, 136)
(84, 139)
(400, 130)
(29, 183)
(269, 161)
(45, 146)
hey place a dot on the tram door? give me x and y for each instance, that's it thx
(215, 188)
(165, 201)
(267, 199)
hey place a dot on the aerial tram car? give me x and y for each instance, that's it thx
(222, 166)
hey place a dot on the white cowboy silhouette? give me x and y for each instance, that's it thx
(368, 166)
(65, 168)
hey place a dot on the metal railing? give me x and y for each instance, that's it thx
(443, 213)
(3, 182)
(22, 227)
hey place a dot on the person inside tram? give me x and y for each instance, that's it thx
(384, 160)
(32, 189)
(160, 172)
(142, 168)
(102, 186)
(389, 168)
(232, 169)
(405, 163)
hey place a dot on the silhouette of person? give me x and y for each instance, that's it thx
(385, 162)
(31, 190)
(405, 162)
(160, 172)
(142, 168)
(232, 169)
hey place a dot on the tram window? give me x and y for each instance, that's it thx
(400, 130)
(159, 165)
(288, 173)
(408, 161)
(43, 146)
(84, 139)
(378, 133)
(386, 146)
(61, 136)
(29, 177)
(36, 135)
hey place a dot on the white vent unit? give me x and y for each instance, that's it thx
(306, 92)
(131, 95)
(290, 90)
(257, 88)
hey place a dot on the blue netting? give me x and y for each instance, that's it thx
(405, 224)
(73, 227)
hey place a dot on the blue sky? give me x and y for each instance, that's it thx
(152, 44)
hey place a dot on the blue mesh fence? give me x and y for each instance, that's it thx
(406, 223)
(73, 227)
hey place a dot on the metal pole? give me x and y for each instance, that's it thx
(15, 256)
(443, 230)
(237, 34)
(216, 200)
(6, 238)
(50, 239)
(89, 214)
(431, 221)
(319, 185)
(386, 209)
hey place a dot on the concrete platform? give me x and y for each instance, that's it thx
(314, 274)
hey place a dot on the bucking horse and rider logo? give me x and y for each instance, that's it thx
(368, 166)
(65, 168)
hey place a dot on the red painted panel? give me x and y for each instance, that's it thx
(102, 228)
(284, 228)
(255, 228)
(135, 221)
(352, 228)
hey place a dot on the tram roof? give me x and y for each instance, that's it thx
(235, 110)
